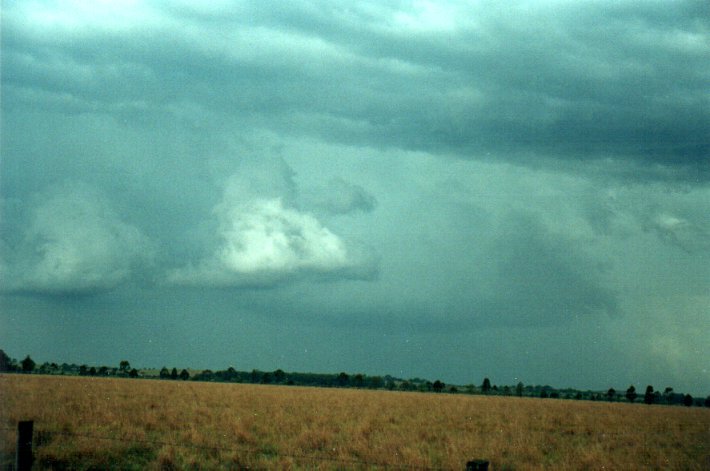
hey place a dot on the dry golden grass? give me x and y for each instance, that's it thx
(99, 423)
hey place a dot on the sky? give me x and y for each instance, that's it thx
(447, 190)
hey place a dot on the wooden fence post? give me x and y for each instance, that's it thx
(23, 457)
(477, 465)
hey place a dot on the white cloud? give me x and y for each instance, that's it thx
(261, 241)
(266, 236)
(75, 243)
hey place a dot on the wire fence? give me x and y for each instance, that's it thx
(240, 449)
(45, 438)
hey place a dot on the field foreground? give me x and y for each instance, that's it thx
(100, 423)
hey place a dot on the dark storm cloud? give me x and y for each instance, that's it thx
(440, 171)
(613, 80)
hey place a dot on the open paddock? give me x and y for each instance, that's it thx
(90, 423)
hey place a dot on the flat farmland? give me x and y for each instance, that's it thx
(102, 423)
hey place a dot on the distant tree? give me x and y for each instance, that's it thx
(707, 401)
(174, 373)
(543, 393)
(376, 382)
(406, 386)
(358, 380)
(28, 365)
(255, 376)
(342, 380)
(554, 395)
(648, 396)
(279, 376)
(205, 375)
(506, 390)
(486, 386)
(164, 373)
(92, 371)
(438, 386)
(668, 395)
(184, 375)
(6, 363)
(519, 389)
(390, 385)
(231, 374)
(688, 400)
(631, 394)
(133, 373)
(83, 370)
(266, 378)
(103, 371)
(611, 394)
(124, 366)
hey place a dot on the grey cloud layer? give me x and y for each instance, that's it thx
(467, 79)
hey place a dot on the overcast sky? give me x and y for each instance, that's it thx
(448, 190)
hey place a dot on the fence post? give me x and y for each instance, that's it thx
(23, 457)
(477, 465)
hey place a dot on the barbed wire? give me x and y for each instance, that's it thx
(309, 457)
(233, 449)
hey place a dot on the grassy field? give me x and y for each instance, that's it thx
(100, 423)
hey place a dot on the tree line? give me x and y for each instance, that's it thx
(345, 380)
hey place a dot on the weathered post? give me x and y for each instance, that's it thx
(23, 458)
(477, 465)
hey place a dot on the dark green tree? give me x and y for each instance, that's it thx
(184, 375)
(28, 365)
(486, 386)
(6, 363)
(133, 373)
(124, 366)
(707, 401)
(255, 376)
(688, 400)
(376, 382)
(519, 389)
(631, 394)
(611, 394)
(174, 373)
(438, 386)
(668, 395)
(343, 380)
(164, 373)
(279, 376)
(648, 396)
